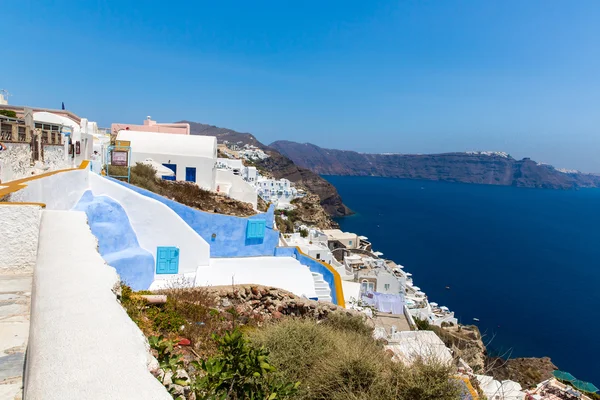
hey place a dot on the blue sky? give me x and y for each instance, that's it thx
(373, 76)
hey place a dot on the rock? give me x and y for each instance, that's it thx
(167, 378)
(254, 290)
(182, 374)
(159, 374)
(184, 342)
(176, 390)
(277, 315)
(225, 303)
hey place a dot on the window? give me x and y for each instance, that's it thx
(350, 242)
(367, 287)
(318, 256)
(255, 229)
(386, 286)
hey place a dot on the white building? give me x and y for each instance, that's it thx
(277, 191)
(250, 174)
(410, 346)
(234, 165)
(73, 133)
(253, 153)
(314, 245)
(192, 158)
(350, 240)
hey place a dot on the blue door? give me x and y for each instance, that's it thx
(190, 174)
(167, 260)
(172, 167)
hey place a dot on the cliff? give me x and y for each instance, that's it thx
(280, 167)
(480, 167)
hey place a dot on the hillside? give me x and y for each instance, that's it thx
(482, 168)
(280, 167)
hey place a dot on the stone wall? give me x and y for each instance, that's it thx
(19, 231)
(15, 161)
(54, 157)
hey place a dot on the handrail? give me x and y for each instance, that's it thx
(18, 184)
(339, 291)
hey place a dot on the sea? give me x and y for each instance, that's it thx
(525, 262)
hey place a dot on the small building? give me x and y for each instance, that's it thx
(277, 191)
(152, 126)
(410, 346)
(192, 158)
(349, 240)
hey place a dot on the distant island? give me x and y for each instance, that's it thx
(482, 167)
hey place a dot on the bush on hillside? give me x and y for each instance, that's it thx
(333, 360)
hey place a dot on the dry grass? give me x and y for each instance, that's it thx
(336, 361)
(190, 313)
(187, 193)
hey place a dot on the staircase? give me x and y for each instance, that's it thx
(321, 287)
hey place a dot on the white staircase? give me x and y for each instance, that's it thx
(321, 287)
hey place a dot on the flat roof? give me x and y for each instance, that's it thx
(281, 272)
(169, 143)
(338, 234)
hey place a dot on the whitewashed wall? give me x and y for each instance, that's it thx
(60, 191)
(237, 188)
(205, 167)
(82, 344)
(155, 225)
(19, 229)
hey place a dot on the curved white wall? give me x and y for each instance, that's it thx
(155, 225)
(82, 343)
(239, 189)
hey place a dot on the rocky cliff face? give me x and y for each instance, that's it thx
(280, 167)
(283, 167)
(492, 169)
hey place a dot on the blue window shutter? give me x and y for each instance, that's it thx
(255, 229)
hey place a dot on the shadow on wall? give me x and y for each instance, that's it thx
(329, 275)
(226, 235)
(117, 241)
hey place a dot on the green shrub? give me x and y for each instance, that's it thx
(347, 322)
(8, 113)
(240, 371)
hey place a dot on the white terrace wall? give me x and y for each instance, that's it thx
(60, 191)
(239, 189)
(155, 225)
(82, 344)
(19, 229)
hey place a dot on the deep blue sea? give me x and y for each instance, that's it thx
(526, 262)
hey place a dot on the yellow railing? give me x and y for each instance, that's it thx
(18, 184)
(337, 280)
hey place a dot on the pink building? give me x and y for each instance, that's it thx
(152, 126)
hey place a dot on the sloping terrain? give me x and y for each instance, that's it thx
(280, 167)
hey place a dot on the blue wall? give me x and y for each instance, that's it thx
(230, 240)
(117, 242)
(313, 265)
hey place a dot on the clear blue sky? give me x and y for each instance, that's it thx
(374, 76)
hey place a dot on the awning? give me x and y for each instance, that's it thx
(584, 386)
(378, 253)
(432, 304)
(563, 376)
(363, 237)
(416, 288)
